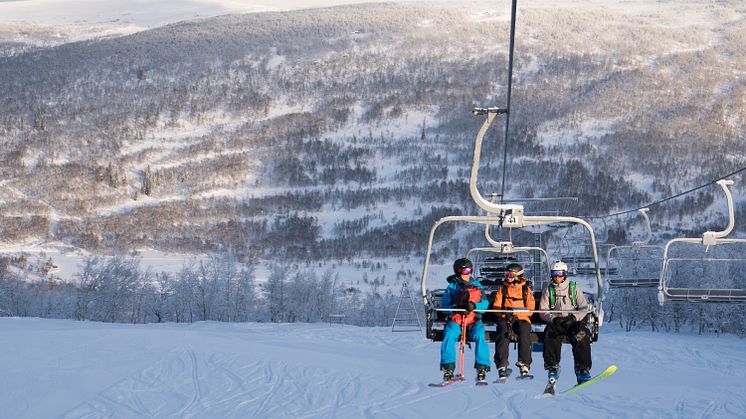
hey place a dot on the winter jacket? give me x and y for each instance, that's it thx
(563, 301)
(452, 295)
(514, 299)
(453, 278)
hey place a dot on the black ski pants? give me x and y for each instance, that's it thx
(517, 328)
(578, 336)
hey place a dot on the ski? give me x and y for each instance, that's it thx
(525, 377)
(550, 389)
(609, 371)
(501, 380)
(442, 383)
(446, 383)
(482, 382)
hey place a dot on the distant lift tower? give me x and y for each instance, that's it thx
(406, 318)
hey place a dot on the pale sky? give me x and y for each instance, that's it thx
(142, 13)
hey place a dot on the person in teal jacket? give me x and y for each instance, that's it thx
(467, 293)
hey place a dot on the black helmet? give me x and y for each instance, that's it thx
(515, 269)
(460, 264)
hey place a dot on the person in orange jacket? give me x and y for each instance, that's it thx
(514, 294)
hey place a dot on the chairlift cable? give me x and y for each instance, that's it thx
(670, 197)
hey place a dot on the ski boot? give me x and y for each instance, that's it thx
(481, 374)
(523, 368)
(503, 373)
(583, 376)
(553, 374)
(447, 375)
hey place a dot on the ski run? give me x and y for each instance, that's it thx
(69, 369)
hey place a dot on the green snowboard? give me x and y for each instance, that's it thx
(599, 377)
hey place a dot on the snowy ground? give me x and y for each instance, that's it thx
(54, 368)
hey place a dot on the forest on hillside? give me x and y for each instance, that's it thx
(240, 131)
(343, 133)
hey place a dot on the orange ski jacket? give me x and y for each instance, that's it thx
(517, 295)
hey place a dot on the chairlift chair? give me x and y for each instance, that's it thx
(534, 259)
(711, 255)
(492, 268)
(580, 259)
(637, 265)
(505, 216)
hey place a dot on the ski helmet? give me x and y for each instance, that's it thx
(558, 269)
(461, 266)
(513, 270)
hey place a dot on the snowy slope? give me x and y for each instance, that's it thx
(72, 369)
(54, 22)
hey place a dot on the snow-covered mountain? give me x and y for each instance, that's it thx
(344, 131)
(331, 138)
(71, 369)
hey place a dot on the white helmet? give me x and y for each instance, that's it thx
(559, 268)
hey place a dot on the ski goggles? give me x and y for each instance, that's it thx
(512, 275)
(560, 272)
(465, 270)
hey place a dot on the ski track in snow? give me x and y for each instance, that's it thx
(321, 371)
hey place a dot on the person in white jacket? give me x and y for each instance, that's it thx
(562, 294)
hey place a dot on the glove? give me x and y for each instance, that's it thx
(561, 324)
(568, 322)
(470, 306)
(557, 324)
(509, 331)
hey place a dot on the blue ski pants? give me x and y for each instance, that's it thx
(474, 333)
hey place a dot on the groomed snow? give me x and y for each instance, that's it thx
(56, 368)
